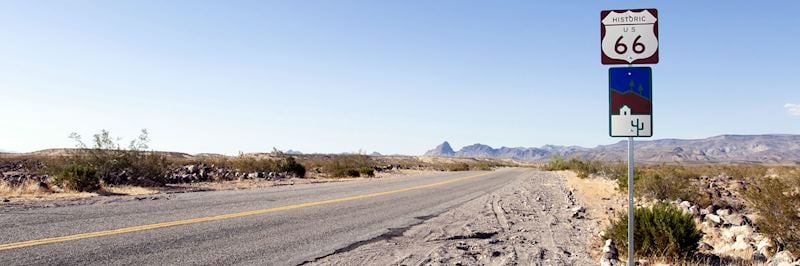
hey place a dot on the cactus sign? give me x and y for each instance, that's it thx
(630, 101)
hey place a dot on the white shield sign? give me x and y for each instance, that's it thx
(629, 36)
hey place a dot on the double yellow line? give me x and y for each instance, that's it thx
(43, 241)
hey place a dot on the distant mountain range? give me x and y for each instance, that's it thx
(770, 149)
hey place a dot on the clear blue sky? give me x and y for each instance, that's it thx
(394, 77)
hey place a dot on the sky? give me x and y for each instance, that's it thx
(397, 77)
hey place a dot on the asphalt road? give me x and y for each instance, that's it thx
(286, 225)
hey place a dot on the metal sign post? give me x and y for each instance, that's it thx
(630, 201)
(630, 37)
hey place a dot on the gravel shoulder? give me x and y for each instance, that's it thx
(533, 220)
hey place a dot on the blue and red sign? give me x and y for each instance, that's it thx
(630, 101)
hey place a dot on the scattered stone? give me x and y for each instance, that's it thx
(705, 247)
(610, 254)
(694, 210)
(714, 219)
(765, 245)
(723, 212)
(686, 204)
(578, 212)
(782, 258)
(734, 219)
(758, 257)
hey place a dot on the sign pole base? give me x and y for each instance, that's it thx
(630, 202)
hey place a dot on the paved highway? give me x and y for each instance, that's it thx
(286, 225)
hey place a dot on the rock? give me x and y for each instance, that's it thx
(765, 245)
(578, 212)
(758, 257)
(191, 168)
(704, 247)
(694, 210)
(734, 219)
(782, 258)
(708, 210)
(723, 212)
(715, 220)
(741, 244)
(253, 175)
(686, 204)
(610, 254)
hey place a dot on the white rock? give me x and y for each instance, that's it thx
(765, 244)
(781, 258)
(723, 212)
(741, 245)
(686, 204)
(734, 219)
(715, 220)
(694, 210)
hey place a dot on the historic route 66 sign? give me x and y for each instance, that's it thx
(629, 36)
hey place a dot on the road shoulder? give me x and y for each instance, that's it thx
(533, 219)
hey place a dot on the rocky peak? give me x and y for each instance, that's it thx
(443, 149)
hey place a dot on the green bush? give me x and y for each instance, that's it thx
(78, 178)
(347, 165)
(660, 231)
(351, 173)
(453, 167)
(583, 168)
(290, 165)
(117, 165)
(777, 205)
(367, 171)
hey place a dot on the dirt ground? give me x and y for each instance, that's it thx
(531, 221)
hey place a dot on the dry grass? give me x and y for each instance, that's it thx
(33, 191)
(28, 188)
(129, 190)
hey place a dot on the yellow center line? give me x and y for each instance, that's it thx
(50, 240)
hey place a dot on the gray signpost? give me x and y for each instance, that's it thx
(630, 37)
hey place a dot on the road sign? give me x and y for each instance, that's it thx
(630, 101)
(629, 36)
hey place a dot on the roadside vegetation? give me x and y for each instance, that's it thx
(771, 192)
(104, 160)
(660, 231)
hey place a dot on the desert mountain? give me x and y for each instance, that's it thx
(443, 150)
(771, 149)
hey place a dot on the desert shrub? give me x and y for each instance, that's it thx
(777, 204)
(664, 184)
(453, 167)
(482, 166)
(289, 165)
(347, 165)
(78, 178)
(351, 173)
(117, 165)
(660, 231)
(581, 167)
(556, 163)
(367, 171)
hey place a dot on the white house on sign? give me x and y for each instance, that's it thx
(628, 125)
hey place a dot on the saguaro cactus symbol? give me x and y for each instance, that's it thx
(639, 126)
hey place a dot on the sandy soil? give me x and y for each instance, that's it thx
(602, 202)
(527, 222)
